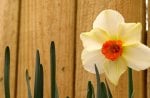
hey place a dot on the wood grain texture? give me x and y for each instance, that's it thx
(8, 37)
(41, 22)
(148, 43)
(87, 10)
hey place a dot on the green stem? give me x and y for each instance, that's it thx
(98, 82)
(7, 73)
(28, 84)
(53, 70)
(38, 85)
(130, 83)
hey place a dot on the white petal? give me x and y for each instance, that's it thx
(130, 33)
(137, 56)
(94, 39)
(89, 59)
(88, 42)
(108, 20)
(101, 35)
(114, 69)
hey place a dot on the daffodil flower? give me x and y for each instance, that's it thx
(113, 46)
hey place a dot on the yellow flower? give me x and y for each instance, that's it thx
(114, 45)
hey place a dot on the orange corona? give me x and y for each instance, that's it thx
(112, 49)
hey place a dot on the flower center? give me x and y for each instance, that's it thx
(112, 49)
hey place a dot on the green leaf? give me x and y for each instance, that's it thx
(7, 73)
(108, 90)
(38, 86)
(98, 83)
(103, 93)
(90, 91)
(132, 96)
(41, 80)
(28, 84)
(54, 91)
(130, 83)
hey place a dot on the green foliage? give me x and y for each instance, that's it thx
(38, 85)
(28, 84)
(7, 73)
(108, 92)
(103, 93)
(90, 91)
(54, 89)
(98, 83)
(103, 90)
(130, 84)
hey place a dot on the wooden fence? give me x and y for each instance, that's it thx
(27, 25)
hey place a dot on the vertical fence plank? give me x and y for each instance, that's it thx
(8, 37)
(41, 22)
(148, 42)
(87, 10)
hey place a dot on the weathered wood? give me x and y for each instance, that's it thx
(8, 37)
(87, 10)
(148, 43)
(41, 22)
